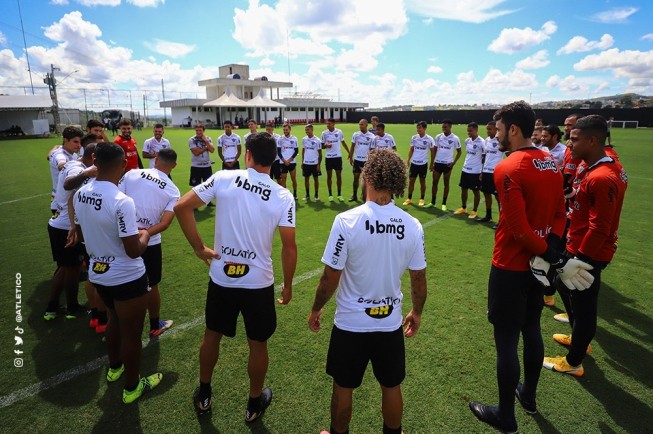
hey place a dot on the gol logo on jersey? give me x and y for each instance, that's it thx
(231, 269)
(379, 312)
(100, 267)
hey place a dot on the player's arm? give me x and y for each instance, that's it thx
(288, 261)
(326, 287)
(458, 154)
(74, 182)
(220, 153)
(72, 237)
(135, 245)
(603, 192)
(418, 297)
(210, 147)
(184, 210)
(344, 145)
(146, 153)
(353, 149)
(166, 219)
(432, 157)
(410, 155)
(294, 153)
(239, 149)
(319, 159)
(303, 154)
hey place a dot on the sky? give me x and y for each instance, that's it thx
(383, 52)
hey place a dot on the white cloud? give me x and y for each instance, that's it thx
(59, 2)
(616, 15)
(3, 39)
(92, 3)
(146, 3)
(169, 48)
(266, 61)
(434, 69)
(647, 37)
(579, 44)
(568, 84)
(634, 65)
(483, 10)
(536, 61)
(513, 40)
(602, 87)
(427, 21)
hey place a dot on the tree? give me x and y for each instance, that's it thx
(627, 101)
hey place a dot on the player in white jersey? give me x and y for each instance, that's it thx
(374, 120)
(229, 148)
(383, 139)
(153, 145)
(287, 150)
(155, 195)
(419, 156)
(368, 319)
(253, 126)
(492, 155)
(250, 208)
(361, 143)
(106, 221)
(470, 177)
(200, 163)
(275, 169)
(311, 161)
(332, 139)
(551, 136)
(72, 141)
(446, 144)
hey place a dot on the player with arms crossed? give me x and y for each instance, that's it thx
(368, 319)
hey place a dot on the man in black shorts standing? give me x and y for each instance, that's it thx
(200, 164)
(332, 140)
(420, 157)
(250, 208)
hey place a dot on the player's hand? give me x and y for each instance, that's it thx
(91, 172)
(575, 274)
(480, 177)
(570, 192)
(71, 238)
(450, 165)
(411, 324)
(314, 320)
(206, 255)
(542, 271)
(286, 294)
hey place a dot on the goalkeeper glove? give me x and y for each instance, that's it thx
(573, 273)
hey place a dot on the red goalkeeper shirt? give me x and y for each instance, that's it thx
(529, 184)
(131, 152)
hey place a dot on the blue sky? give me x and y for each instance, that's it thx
(385, 52)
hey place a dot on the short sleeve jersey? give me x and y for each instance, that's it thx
(362, 144)
(153, 193)
(529, 185)
(474, 155)
(58, 156)
(203, 159)
(369, 297)
(246, 136)
(229, 145)
(558, 154)
(106, 215)
(152, 146)
(249, 208)
(446, 146)
(311, 147)
(385, 141)
(492, 154)
(131, 151)
(276, 136)
(333, 138)
(61, 219)
(288, 146)
(421, 147)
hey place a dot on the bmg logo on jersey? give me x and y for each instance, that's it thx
(148, 177)
(95, 202)
(232, 269)
(392, 228)
(257, 189)
(546, 164)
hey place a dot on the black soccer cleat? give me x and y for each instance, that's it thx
(202, 404)
(264, 402)
(489, 415)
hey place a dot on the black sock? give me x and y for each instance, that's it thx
(488, 213)
(295, 193)
(410, 196)
(53, 306)
(444, 201)
(130, 388)
(116, 365)
(94, 313)
(154, 323)
(339, 192)
(330, 193)
(205, 389)
(333, 431)
(254, 404)
(102, 317)
(388, 430)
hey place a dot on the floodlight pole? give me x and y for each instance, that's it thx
(163, 96)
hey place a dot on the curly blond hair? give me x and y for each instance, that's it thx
(385, 171)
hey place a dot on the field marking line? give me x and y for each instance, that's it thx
(41, 386)
(24, 198)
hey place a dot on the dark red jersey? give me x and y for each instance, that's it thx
(131, 152)
(596, 210)
(569, 167)
(529, 184)
(581, 171)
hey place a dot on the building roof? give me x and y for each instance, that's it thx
(261, 100)
(184, 102)
(227, 99)
(25, 102)
(242, 82)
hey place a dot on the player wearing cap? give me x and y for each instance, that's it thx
(420, 154)
(446, 143)
(470, 178)
(332, 140)
(361, 143)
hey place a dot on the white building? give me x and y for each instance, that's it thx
(234, 95)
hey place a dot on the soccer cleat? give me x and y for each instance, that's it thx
(565, 340)
(472, 215)
(429, 205)
(490, 415)
(529, 407)
(330, 198)
(305, 198)
(93, 323)
(264, 402)
(74, 312)
(341, 199)
(316, 198)
(421, 203)
(115, 374)
(145, 384)
(484, 219)
(408, 202)
(559, 364)
(353, 199)
(460, 211)
(163, 326)
(49, 315)
(101, 329)
(561, 317)
(495, 227)
(549, 300)
(202, 403)
(444, 208)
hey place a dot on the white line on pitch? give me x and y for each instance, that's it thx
(24, 198)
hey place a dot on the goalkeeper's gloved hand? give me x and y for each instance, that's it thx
(573, 273)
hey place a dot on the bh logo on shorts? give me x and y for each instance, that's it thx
(231, 269)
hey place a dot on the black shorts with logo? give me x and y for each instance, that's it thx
(416, 170)
(223, 305)
(358, 166)
(350, 352)
(334, 163)
(275, 170)
(514, 297)
(487, 183)
(199, 174)
(470, 180)
(153, 259)
(441, 167)
(289, 168)
(64, 257)
(310, 170)
(123, 292)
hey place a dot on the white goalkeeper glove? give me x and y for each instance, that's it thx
(540, 269)
(575, 274)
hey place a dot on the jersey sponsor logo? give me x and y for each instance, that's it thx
(232, 269)
(144, 221)
(543, 233)
(624, 176)
(100, 267)
(290, 216)
(262, 189)
(121, 222)
(148, 177)
(107, 259)
(386, 228)
(206, 186)
(389, 301)
(95, 202)
(546, 164)
(239, 253)
(339, 245)
(379, 312)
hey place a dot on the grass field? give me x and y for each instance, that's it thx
(61, 386)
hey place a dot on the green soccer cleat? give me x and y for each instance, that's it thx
(145, 384)
(115, 374)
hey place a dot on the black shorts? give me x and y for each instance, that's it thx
(310, 170)
(416, 170)
(334, 163)
(350, 352)
(470, 180)
(234, 167)
(257, 306)
(64, 257)
(513, 297)
(126, 291)
(199, 174)
(275, 170)
(153, 259)
(358, 166)
(487, 183)
(289, 168)
(441, 168)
